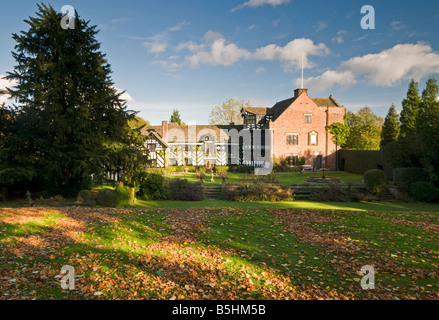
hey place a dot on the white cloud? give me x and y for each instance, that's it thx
(191, 46)
(4, 83)
(219, 54)
(125, 96)
(291, 54)
(339, 39)
(179, 26)
(156, 44)
(251, 27)
(328, 79)
(385, 69)
(211, 36)
(259, 3)
(169, 66)
(216, 51)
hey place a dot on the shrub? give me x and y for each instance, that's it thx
(245, 169)
(221, 169)
(424, 191)
(375, 181)
(178, 169)
(183, 190)
(331, 192)
(107, 198)
(200, 173)
(153, 187)
(404, 178)
(2, 197)
(123, 196)
(256, 192)
(191, 169)
(84, 195)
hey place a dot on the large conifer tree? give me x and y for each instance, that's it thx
(391, 127)
(69, 119)
(410, 110)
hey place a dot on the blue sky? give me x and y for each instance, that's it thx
(195, 54)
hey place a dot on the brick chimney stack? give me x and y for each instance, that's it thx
(165, 129)
(298, 92)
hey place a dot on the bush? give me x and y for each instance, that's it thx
(2, 197)
(222, 169)
(153, 187)
(332, 192)
(424, 192)
(107, 198)
(84, 195)
(245, 169)
(123, 196)
(200, 173)
(404, 178)
(375, 181)
(256, 192)
(183, 190)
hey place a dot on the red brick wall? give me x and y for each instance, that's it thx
(293, 121)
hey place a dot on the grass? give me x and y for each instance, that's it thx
(290, 178)
(215, 251)
(350, 206)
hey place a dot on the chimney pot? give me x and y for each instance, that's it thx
(298, 92)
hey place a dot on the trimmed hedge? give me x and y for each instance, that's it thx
(256, 192)
(183, 190)
(375, 181)
(360, 161)
(424, 191)
(404, 178)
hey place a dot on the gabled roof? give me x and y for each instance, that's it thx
(326, 102)
(201, 131)
(280, 107)
(155, 135)
(256, 111)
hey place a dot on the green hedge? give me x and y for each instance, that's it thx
(404, 178)
(360, 161)
(424, 191)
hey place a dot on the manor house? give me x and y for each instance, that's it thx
(292, 129)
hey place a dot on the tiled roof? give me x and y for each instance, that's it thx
(158, 137)
(256, 111)
(201, 131)
(326, 102)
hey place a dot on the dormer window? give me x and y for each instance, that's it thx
(251, 118)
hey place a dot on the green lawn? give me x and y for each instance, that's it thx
(352, 206)
(284, 178)
(218, 253)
